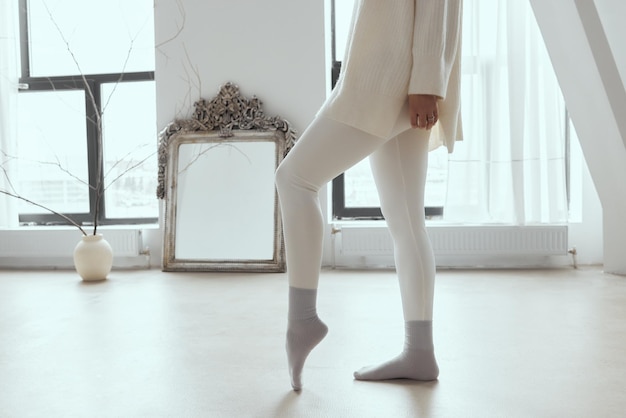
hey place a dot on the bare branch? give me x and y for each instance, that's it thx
(97, 210)
(70, 220)
(128, 55)
(201, 153)
(192, 82)
(137, 164)
(14, 193)
(56, 164)
(181, 27)
(195, 70)
(69, 49)
(65, 41)
(92, 99)
(6, 176)
(121, 77)
(119, 161)
(97, 120)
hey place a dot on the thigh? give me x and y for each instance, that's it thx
(399, 167)
(326, 149)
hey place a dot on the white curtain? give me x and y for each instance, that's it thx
(9, 59)
(511, 166)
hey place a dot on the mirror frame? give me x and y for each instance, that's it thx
(228, 118)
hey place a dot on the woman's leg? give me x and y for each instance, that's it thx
(325, 149)
(399, 169)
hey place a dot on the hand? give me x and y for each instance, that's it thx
(423, 110)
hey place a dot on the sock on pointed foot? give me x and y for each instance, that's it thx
(417, 360)
(304, 331)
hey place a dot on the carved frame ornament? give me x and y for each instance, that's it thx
(226, 112)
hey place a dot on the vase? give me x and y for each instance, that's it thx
(93, 258)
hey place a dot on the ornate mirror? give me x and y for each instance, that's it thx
(216, 176)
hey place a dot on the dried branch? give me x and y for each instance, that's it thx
(16, 195)
(56, 164)
(121, 77)
(181, 27)
(195, 70)
(204, 151)
(6, 176)
(99, 188)
(193, 82)
(119, 80)
(128, 169)
(98, 122)
(128, 154)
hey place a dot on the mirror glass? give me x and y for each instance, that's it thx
(225, 200)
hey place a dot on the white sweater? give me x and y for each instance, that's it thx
(396, 48)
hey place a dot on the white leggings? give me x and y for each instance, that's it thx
(328, 148)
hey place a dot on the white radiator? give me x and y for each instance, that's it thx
(455, 241)
(54, 247)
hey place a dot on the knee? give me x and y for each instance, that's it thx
(290, 180)
(282, 177)
(286, 180)
(404, 221)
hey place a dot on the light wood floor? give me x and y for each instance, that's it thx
(153, 344)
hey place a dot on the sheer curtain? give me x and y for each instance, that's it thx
(8, 104)
(511, 167)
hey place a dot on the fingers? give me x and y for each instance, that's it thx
(414, 120)
(424, 122)
(423, 110)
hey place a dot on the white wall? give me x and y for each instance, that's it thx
(272, 49)
(585, 227)
(612, 14)
(583, 41)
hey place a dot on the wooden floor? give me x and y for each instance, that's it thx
(153, 344)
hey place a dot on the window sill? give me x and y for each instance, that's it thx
(124, 227)
(433, 223)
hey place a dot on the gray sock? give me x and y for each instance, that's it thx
(304, 331)
(417, 360)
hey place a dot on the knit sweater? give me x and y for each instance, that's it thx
(396, 48)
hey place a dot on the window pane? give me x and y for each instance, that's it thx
(436, 178)
(343, 15)
(100, 34)
(52, 151)
(359, 184)
(360, 191)
(129, 150)
(359, 188)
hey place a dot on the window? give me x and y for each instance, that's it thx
(510, 169)
(354, 192)
(80, 58)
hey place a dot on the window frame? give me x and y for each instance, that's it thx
(83, 82)
(340, 210)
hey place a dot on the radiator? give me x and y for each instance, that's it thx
(53, 242)
(54, 247)
(461, 240)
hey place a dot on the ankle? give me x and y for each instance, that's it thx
(302, 303)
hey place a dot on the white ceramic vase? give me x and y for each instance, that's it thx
(93, 258)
